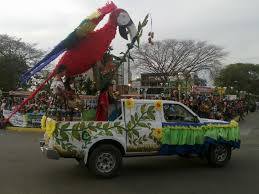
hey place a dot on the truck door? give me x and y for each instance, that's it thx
(144, 127)
(177, 115)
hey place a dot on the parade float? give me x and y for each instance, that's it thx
(120, 127)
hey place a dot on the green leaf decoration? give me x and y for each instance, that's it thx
(76, 135)
(129, 125)
(144, 125)
(132, 119)
(63, 146)
(92, 128)
(139, 26)
(144, 138)
(64, 136)
(90, 124)
(130, 135)
(120, 131)
(144, 23)
(57, 141)
(135, 132)
(106, 126)
(150, 108)
(151, 115)
(108, 133)
(99, 124)
(143, 108)
(141, 33)
(75, 126)
(82, 125)
(86, 136)
(138, 41)
(65, 126)
(145, 118)
(116, 124)
(136, 116)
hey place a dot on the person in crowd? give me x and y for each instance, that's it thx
(103, 104)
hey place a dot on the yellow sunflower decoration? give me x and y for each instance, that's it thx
(157, 133)
(158, 105)
(129, 103)
(43, 122)
(233, 123)
(50, 126)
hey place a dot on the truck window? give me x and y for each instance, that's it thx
(115, 111)
(177, 113)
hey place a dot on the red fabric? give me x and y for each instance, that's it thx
(102, 107)
(109, 7)
(89, 50)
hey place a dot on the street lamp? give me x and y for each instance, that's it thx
(129, 88)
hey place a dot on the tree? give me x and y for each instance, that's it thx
(16, 57)
(169, 57)
(240, 76)
(199, 81)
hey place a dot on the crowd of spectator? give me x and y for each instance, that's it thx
(36, 105)
(216, 106)
(206, 106)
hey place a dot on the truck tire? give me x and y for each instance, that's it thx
(105, 161)
(219, 155)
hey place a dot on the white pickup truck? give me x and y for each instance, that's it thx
(144, 128)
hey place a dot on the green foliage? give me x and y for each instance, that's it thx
(87, 86)
(243, 77)
(16, 57)
(11, 69)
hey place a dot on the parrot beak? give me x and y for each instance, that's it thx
(126, 26)
(129, 29)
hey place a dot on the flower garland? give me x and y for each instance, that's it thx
(158, 105)
(129, 103)
(50, 127)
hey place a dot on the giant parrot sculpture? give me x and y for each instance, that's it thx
(84, 47)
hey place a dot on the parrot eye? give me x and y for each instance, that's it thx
(123, 19)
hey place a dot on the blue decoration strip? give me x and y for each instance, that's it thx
(195, 149)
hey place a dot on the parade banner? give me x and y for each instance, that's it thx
(18, 120)
(24, 120)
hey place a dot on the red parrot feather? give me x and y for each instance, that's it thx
(90, 50)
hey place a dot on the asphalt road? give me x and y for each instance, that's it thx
(24, 170)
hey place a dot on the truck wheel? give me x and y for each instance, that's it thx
(219, 155)
(105, 161)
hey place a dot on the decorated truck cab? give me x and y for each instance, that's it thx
(143, 128)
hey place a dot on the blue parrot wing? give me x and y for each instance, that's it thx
(67, 43)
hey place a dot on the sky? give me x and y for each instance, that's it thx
(231, 24)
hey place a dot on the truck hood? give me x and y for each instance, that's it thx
(212, 121)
